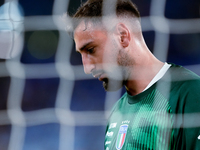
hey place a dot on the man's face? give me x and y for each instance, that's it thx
(100, 54)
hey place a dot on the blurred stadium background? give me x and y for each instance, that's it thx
(46, 101)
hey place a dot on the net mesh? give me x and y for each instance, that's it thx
(47, 102)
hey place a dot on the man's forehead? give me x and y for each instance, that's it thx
(88, 26)
(87, 33)
(82, 26)
(83, 32)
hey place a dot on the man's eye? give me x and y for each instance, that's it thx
(90, 50)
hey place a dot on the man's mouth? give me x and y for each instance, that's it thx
(98, 74)
(101, 77)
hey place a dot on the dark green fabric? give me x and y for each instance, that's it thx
(160, 117)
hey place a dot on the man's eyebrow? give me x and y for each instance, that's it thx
(84, 46)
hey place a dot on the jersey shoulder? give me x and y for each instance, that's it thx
(184, 95)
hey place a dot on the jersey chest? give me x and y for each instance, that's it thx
(139, 128)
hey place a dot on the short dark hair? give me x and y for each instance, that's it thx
(93, 9)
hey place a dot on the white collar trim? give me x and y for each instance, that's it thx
(159, 75)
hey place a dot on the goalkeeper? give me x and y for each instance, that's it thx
(159, 110)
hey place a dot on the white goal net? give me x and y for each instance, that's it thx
(46, 100)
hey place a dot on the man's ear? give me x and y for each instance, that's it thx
(124, 34)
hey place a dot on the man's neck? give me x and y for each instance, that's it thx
(141, 76)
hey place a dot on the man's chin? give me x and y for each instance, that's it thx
(112, 85)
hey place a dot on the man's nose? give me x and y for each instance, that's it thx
(88, 64)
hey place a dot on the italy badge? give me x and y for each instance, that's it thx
(121, 136)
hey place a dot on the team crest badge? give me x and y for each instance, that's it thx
(121, 136)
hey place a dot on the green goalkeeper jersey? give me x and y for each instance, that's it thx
(164, 117)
